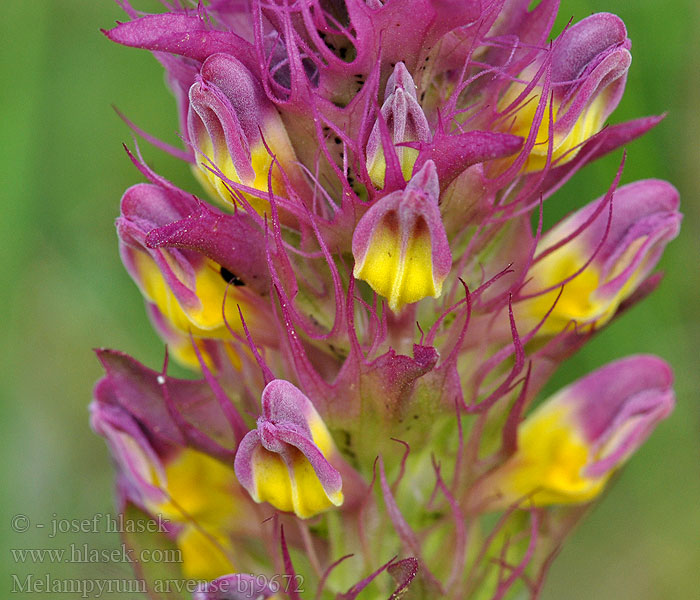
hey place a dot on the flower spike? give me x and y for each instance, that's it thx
(349, 428)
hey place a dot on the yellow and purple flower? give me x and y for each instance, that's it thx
(194, 287)
(236, 133)
(559, 108)
(166, 470)
(286, 460)
(405, 121)
(591, 262)
(571, 444)
(400, 246)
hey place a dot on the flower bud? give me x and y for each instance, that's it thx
(406, 122)
(400, 246)
(285, 461)
(230, 121)
(644, 219)
(568, 448)
(588, 74)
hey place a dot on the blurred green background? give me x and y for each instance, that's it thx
(64, 290)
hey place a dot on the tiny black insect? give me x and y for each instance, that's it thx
(230, 277)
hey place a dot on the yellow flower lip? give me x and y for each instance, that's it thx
(571, 444)
(400, 245)
(237, 135)
(587, 70)
(286, 460)
(587, 279)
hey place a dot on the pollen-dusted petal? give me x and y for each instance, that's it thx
(400, 246)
